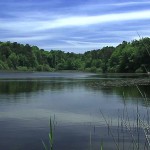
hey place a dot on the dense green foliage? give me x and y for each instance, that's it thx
(126, 57)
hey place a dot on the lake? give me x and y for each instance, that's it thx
(79, 104)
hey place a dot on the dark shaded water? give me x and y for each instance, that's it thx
(27, 100)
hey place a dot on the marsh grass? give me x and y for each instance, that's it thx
(137, 129)
(50, 135)
(101, 145)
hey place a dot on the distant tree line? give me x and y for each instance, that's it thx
(126, 57)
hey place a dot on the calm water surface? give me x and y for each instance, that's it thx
(74, 102)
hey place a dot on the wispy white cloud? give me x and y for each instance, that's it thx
(131, 3)
(89, 20)
(27, 38)
(77, 26)
(36, 25)
(104, 7)
(70, 45)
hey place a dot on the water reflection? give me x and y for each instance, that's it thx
(28, 100)
(30, 87)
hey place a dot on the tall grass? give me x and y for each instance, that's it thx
(101, 145)
(50, 136)
(136, 130)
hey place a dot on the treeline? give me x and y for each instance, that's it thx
(126, 57)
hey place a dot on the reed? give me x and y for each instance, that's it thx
(135, 129)
(50, 136)
(101, 146)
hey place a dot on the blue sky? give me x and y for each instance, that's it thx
(73, 25)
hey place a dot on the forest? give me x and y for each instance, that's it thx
(127, 57)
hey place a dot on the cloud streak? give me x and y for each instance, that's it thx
(70, 25)
(131, 3)
(36, 25)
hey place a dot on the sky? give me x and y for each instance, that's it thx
(73, 25)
